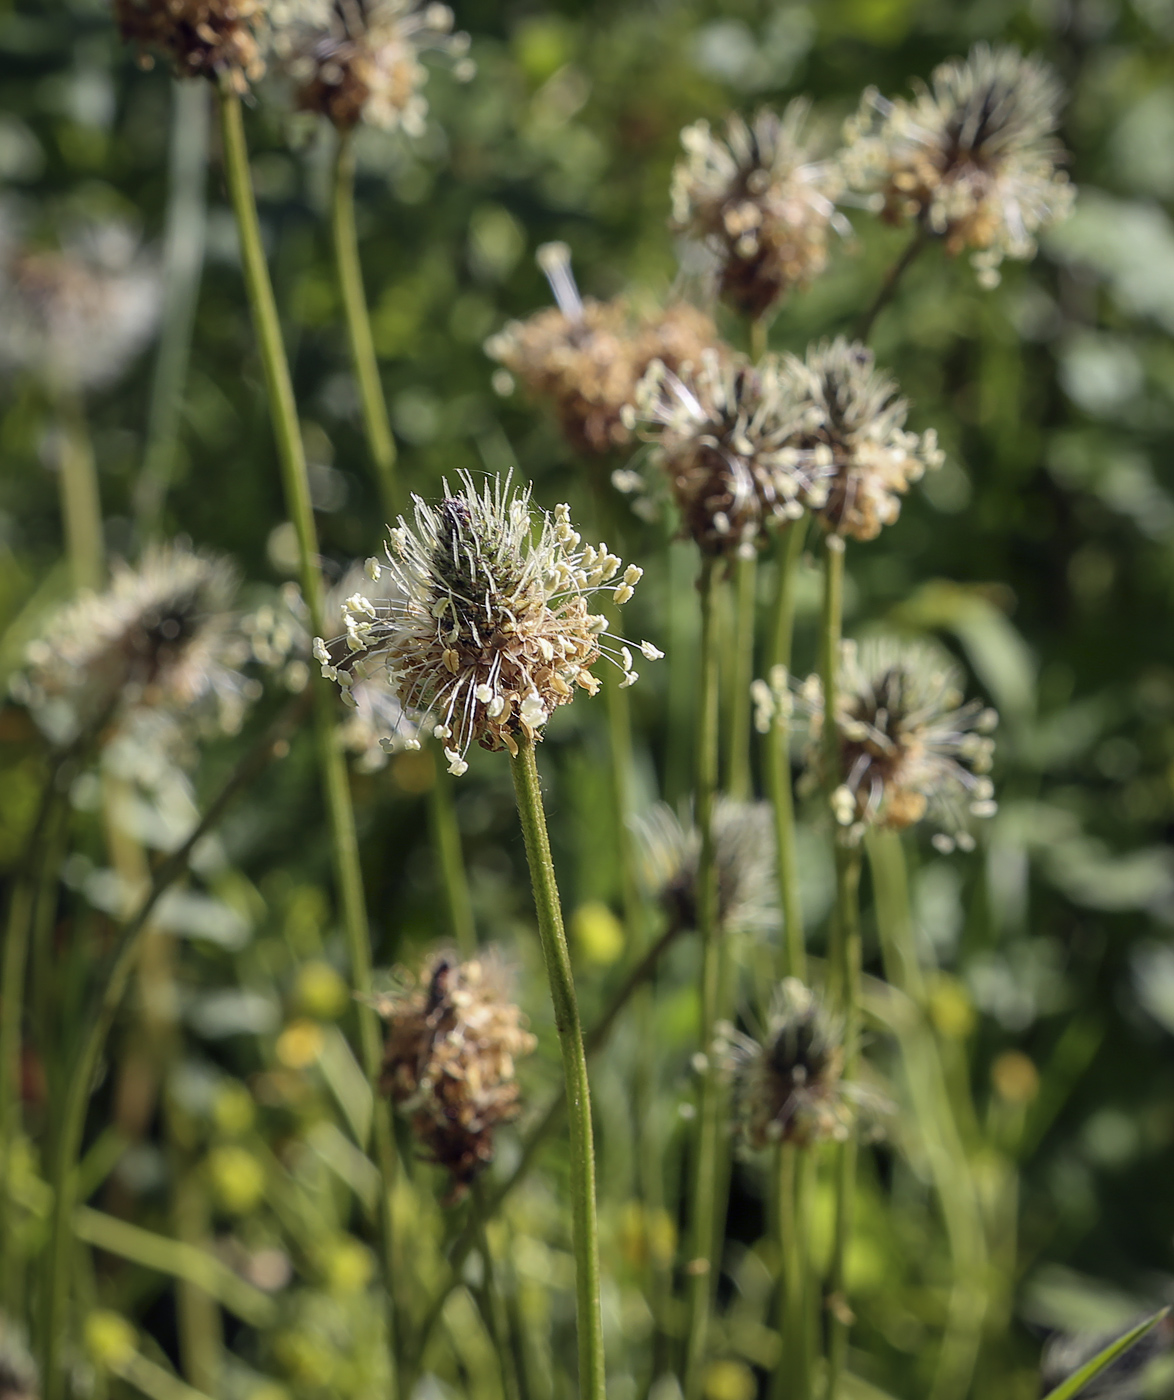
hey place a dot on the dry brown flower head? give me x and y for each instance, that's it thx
(217, 39)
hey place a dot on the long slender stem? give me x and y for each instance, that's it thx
(295, 480)
(737, 782)
(791, 1379)
(376, 425)
(892, 280)
(556, 954)
(706, 1147)
(81, 506)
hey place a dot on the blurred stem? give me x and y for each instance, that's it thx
(793, 957)
(892, 281)
(201, 1332)
(497, 1322)
(703, 1221)
(791, 1378)
(376, 426)
(332, 764)
(936, 1121)
(93, 1038)
(556, 954)
(741, 674)
(682, 664)
(81, 506)
(446, 841)
(183, 262)
(759, 334)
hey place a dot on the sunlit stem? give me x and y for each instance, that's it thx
(557, 957)
(81, 506)
(332, 766)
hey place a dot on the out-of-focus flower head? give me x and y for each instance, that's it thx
(852, 441)
(219, 39)
(359, 60)
(586, 356)
(724, 432)
(910, 748)
(972, 158)
(759, 202)
(18, 1371)
(452, 1043)
(788, 1086)
(670, 850)
(160, 638)
(488, 628)
(75, 317)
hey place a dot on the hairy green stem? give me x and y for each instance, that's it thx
(376, 425)
(81, 506)
(332, 765)
(556, 955)
(741, 673)
(706, 1170)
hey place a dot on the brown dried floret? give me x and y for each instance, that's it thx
(452, 1044)
(203, 38)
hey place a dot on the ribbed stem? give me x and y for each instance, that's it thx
(332, 765)
(737, 782)
(703, 1222)
(556, 955)
(376, 425)
(81, 506)
(791, 1378)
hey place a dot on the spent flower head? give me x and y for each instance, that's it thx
(218, 39)
(744, 856)
(488, 628)
(359, 60)
(586, 356)
(161, 637)
(972, 158)
(452, 1043)
(725, 433)
(787, 1087)
(911, 749)
(758, 202)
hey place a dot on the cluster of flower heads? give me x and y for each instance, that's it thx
(972, 158)
(219, 39)
(759, 202)
(910, 748)
(487, 628)
(452, 1043)
(788, 1087)
(76, 316)
(161, 638)
(744, 858)
(359, 60)
(585, 357)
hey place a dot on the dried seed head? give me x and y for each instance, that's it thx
(758, 202)
(76, 318)
(972, 158)
(852, 440)
(359, 60)
(910, 749)
(488, 627)
(747, 894)
(219, 39)
(586, 356)
(449, 1062)
(159, 638)
(725, 432)
(788, 1087)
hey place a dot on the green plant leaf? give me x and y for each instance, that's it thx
(1091, 1369)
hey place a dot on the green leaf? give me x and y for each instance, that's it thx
(1091, 1369)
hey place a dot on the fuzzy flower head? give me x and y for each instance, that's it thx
(218, 39)
(759, 202)
(910, 748)
(725, 434)
(852, 440)
(161, 637)
(359, 60)
(743, 835)
(972, 158)
(489, 627)
(585, 356)
(788, 1087)
(452, 1043)
(76, 317)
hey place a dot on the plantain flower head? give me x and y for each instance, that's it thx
(725, 433)
(787, 1087)
(452, 1044)
(218, 39)
(759, 202)
(911, 749)
(359, 60)
(488, 628)
(585, 356)
(972, 158)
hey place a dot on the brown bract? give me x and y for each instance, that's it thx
(203, 38)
